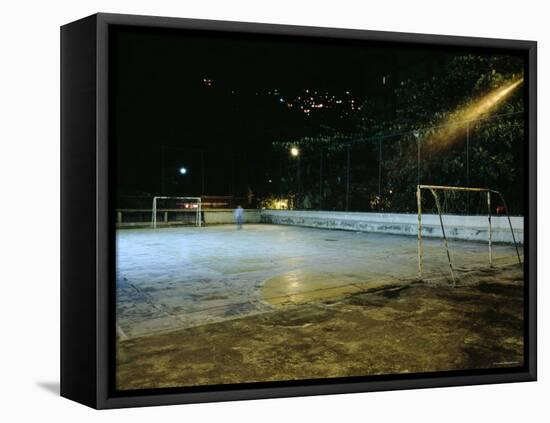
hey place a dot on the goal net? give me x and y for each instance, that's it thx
(466, 219)
(168, 211)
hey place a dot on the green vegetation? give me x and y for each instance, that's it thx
(384, 162)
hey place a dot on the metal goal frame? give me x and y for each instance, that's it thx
(433, 189)
(198, 221)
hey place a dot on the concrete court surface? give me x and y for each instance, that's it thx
(411, 329)
(213, 305)
(174, 278)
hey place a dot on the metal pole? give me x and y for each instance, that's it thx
(299, 180)
(379, 173)
(443, 187)
(418, 161)
(199, 217)
(162, 187)
(420, 247)
(490, 229)
(510, 223)
(444, 236)
(347, 180)
(202, 172)
(321, 180)
(232, 182)
(467, 166)
(154, 212)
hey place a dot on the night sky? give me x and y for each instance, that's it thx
(217, 101)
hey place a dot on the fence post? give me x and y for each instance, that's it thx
(490, 229)
(154, 212)
(468, 167)
(417, 158)
(379, 173)
(420, 250)
(321, 179)
(347, 178)
(202, 173)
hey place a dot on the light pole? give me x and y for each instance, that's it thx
(347, 176)
(164, 167)
(162, 176)
(468, 167)
(182, 170)
(321, 178)
(295, 152)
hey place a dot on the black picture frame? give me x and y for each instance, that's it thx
(87, 335)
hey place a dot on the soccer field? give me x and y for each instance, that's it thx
(177, 278)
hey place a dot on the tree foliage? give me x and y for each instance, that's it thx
(487, 151)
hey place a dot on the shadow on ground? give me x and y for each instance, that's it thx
(392, 330)
(51, 387)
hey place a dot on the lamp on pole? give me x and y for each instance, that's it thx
(182, 171)
(167, 166)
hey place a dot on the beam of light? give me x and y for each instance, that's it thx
(453, 128)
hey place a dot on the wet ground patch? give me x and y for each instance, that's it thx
(179, 278)
(399, 329)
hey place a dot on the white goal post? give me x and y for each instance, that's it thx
(483, 191)
(198, 220)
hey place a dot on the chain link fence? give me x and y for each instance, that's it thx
(380, 174)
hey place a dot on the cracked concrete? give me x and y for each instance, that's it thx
(408, 329)
(174, 278)
(203, 306)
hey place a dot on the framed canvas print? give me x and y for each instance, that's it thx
(254, 211)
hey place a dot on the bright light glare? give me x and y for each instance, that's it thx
(294, 151)
(183, 171)
(454, 128)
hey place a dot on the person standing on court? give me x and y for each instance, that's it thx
(239, 215)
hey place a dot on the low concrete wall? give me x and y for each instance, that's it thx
(224, 216)
(132, 218)
(471, 228)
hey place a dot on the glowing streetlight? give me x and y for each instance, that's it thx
(183, 171)
(294, 151)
